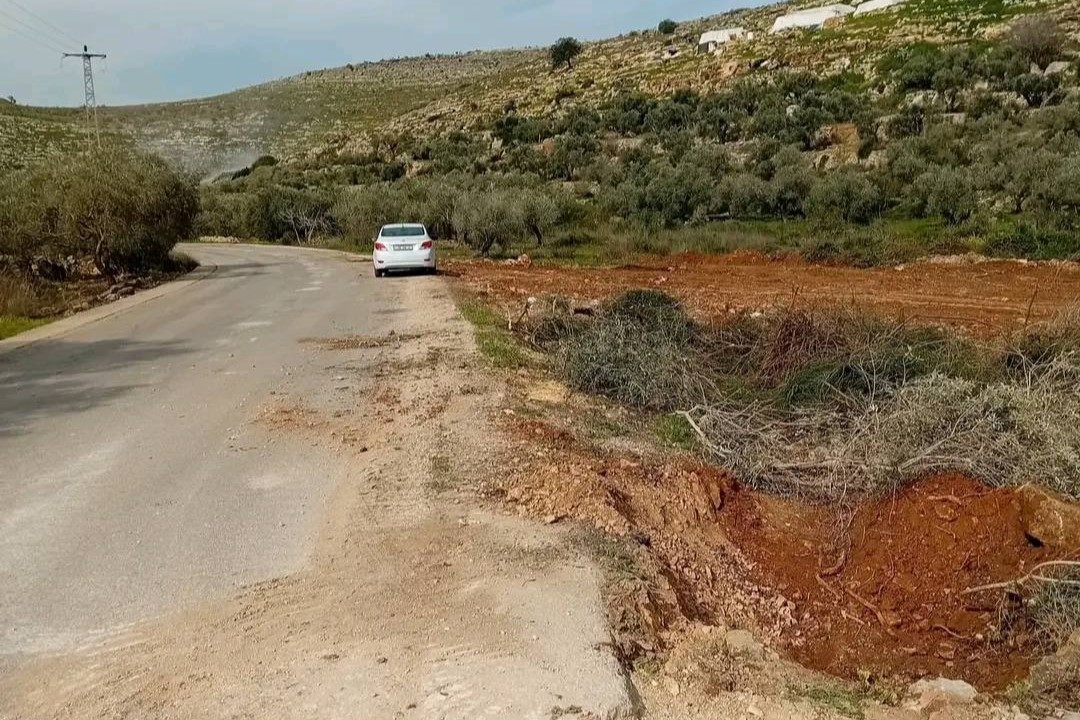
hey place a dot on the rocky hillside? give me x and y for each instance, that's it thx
(343, 109)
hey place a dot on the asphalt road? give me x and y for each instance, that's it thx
(129, 480)
(222, 500)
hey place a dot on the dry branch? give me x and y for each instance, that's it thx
(1033, 576)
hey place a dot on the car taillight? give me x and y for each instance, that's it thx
(426, 245)
(379, 246)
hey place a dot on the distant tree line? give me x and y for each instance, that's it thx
(964, 136)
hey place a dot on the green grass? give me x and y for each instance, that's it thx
(884, 242)
(494, 341)
(674, 431)
(840, 701)
(598, 426)
(12, 325)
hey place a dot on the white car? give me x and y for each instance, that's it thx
(403, 247)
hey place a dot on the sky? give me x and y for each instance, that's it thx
(160, 51)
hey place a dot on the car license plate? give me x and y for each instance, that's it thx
(403, 247)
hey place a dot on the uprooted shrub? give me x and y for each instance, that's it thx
(639, 351)
(1039, 346)
(1003, 433)
(1054, 610)
(119, 208)
(795, 357)
(825, 402)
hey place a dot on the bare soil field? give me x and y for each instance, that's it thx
(880, 591)
(982, 297)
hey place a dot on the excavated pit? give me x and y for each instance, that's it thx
(878, 588)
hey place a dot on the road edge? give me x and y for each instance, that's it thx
(74, 322)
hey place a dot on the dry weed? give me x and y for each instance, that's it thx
(16, 297)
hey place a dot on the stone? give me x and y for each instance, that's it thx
(742, 643)
(1058, 677)
(1050, 519)
(934, 695)
(1057, 67)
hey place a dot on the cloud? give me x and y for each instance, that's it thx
(168, 51)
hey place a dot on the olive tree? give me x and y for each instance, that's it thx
(564, 51)
(122, 210)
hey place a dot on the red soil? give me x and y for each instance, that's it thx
(881, 590)
(980, 297)
(889, 596)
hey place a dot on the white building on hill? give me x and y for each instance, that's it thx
(715, 39)
(874, 5)
(811, 17)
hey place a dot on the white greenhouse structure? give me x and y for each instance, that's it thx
(874, 5)
(811, 17)
(714, 39)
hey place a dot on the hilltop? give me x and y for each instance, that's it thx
(343, 109)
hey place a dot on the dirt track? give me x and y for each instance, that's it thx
(982, 297)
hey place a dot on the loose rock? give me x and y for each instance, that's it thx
(1050, 519)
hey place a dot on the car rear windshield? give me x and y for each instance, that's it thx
(404, 231)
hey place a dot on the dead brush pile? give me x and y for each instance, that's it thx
(823, 403)
(880, 438)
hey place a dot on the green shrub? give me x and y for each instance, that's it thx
(121, 209)
(223, 214)
(744, 195)
(572, 152)
(1036, 89)
(489, 219)
(667, 27)
(275, 213)
(845, 195)
(1037, 242)
(947, 192)
(360, 212)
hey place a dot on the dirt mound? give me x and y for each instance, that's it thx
(883, 588)
(879, 588)
(983, 299)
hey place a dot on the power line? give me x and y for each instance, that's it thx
(42, 36)
(88, 85)
(43, 21)
(48, 45)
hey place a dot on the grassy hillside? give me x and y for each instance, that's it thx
(342, 109)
